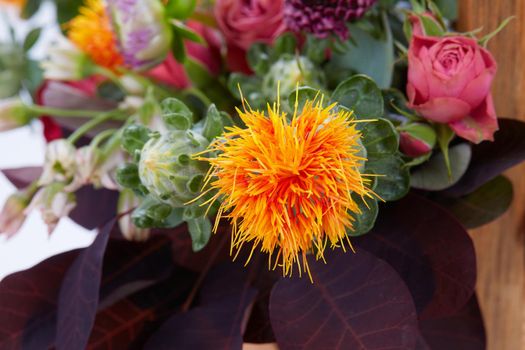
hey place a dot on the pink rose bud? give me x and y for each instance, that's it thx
(244, 23)
(417, 140)
(13, 114)
(449, 81)
(12, 215)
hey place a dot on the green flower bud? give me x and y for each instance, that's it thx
(166, 167)
(290, 71)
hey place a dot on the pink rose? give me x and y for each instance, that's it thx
(246, 22)
(449, 81)
(172, 73)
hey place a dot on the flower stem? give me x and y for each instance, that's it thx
(58, 112)
(102, 117)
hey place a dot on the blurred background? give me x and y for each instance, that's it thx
(500, 246)
(25, 147)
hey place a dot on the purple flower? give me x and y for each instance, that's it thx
(144, 36)
(324, 17)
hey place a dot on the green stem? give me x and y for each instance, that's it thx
(89, 125)
(102, 136)
(108, 74)
(58, 112)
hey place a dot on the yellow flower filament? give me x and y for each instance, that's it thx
(91, 31)
(287, 186)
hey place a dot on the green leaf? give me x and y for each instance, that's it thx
(434, 176)
(364, 54)
(380, 138)
(483, 205)
(177, 47)
(186, 33)
(176, 114)
(134, 137)
(361, 95)
(393, 180)
(110, 91)
(159, 211)
(250, 87)
(431, 26)
(67, 9)
(258, 58)
(198, 74)
(200, 232)
(365, 221)
(448, 8)
(213, 124)
(128, 176)
(284, 44)
(301, 95)
(31, 38)
(31, 7)
(180, 9)
(315, 49)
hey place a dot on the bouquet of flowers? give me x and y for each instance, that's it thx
(293, 172)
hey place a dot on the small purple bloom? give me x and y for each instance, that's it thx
(324, 17)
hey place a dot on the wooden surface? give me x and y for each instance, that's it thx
(500, 245)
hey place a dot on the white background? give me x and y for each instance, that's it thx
(25, 147)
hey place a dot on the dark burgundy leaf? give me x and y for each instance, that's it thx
(490, 159)
(219, 320)
(183, 253)
(259, 328)
(94, 207)
(79, 294)
(132, 266)
(27, 303)
(32, 295)
(429, 249)
(462, 331)
(22, 177)
(356, 301)
(128, 323)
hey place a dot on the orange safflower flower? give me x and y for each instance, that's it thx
(287, 186)
(91, 31)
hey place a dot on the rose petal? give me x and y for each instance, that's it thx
(480, 125)
(417, 76)
(478, 89)
(443, 109)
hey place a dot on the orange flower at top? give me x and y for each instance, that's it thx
(287, 186)
(91, 31)
(17, 3)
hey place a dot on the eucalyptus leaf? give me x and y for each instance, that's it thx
(365, 54)
(258, 58)
(301, 95)
(200, 232)
(380, 138)
(448, 8)
(361, 95)
(213, 124)
(364, 221)
(31, 38)
(482, 206)
(393, 178)
(284, 44)
(434, 176)
(186, 32)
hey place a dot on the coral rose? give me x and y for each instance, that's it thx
(449, 81)
(246, 22)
